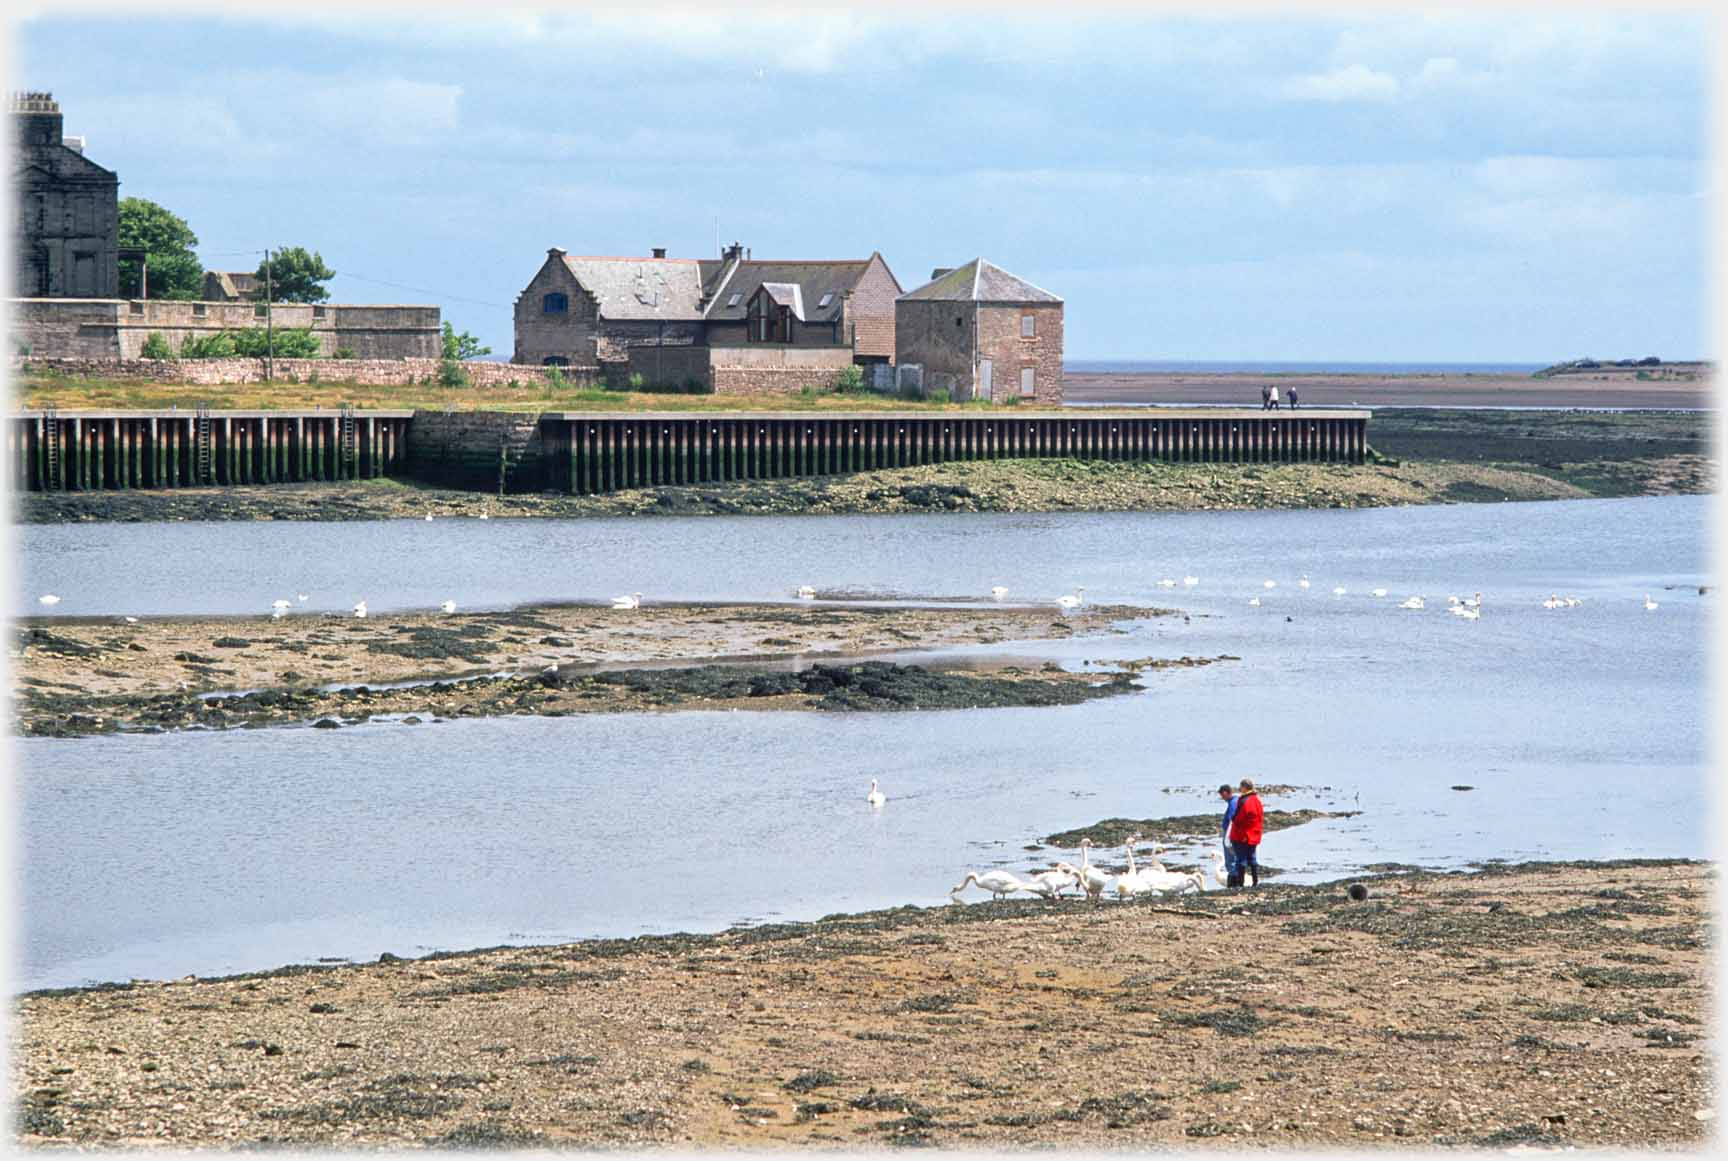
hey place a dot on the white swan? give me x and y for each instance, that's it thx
(998, 591)
(301, 597)
(1303, 583)
(1218, 875)
(805, 592)
(1135, 882)
(1092, 880)
(1000, 884)
(483, 516)
(360, 610)
(1160, 882)
(48, 599)
(278, 614)
(1255, 601)
(1649, 605)
(1376, 592)
(448, 606)
(1271, 584)
(1339, 591)
(281, 604)
(1072, 600)
(633, 601)
(428, 515)
(130, 620)
(1053, 882)
(1168, 582)
(1474, 602)
(1190, 581)
(1466, 612)
(1413, 603)
(1571, 601)
(1451, 600)
(875, 797)
(1553, 602)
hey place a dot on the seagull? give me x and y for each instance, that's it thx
(1339, 591)
(448, 606)
(1649, 605)
(1414, 603)
(633, 601)
(1271, 584)
(1254, 601)
(48, 599)
(1072, 600)
(1190, 581)
(1377, 592)
(998, 591)
(805, 592)
(301, 597)
(1303, 583)
(360, 610)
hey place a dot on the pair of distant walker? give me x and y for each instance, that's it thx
(1269, 397)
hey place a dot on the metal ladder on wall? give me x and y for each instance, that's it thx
(203, 446)
(51, 448)
(347, 445)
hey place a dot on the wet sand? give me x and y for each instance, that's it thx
(1548, 1005)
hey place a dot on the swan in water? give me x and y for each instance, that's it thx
(448, 606)
(998, 591)
(805, 593)
(1092, 880)
(1376, 592)
(360, 610)
(130, 620)
(1190, 581)
(484, 516)
(1553, 602)
(1474, 602)
(1466, 612)
(301, 597)
(1053, 882)
(1339, 591)
(428, 515)
(1168, 582)
(1571, 601)
(1000, 884)
(1303, 583)
(633, 601)
(1649, 605)
(1271, 584)
(1072, 600)
(1135, 882)
(875, 797)
(1255, 601)
(1413, 603)
(281, 604)
(48, 599)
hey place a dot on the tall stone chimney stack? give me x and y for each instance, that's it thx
(36, 119)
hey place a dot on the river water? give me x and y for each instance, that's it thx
(1579, 731)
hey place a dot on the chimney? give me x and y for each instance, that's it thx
(36, 119)
(733, 252)
(659, 251)
(940, 271)
(75, 144)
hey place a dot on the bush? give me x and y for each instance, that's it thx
(451, 374)
(156, 347)
(217, 346)
(344, 353)
(934, 395)
(284, 343)
(555, 378)
(850, 380)
(636, 381)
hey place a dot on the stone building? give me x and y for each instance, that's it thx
(66, 237)
(729, 311)
(232, 286)
(118, 328)
(979, 332)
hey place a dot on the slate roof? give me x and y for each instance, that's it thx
(814, 280)
(787, 294)
(664, 289)
(980, 281)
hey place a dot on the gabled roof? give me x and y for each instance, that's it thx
(814, 281)
(980, 281)
(641, 288)
(786, 294)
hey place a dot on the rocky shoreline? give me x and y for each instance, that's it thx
(76, 678)
(1542, 1005)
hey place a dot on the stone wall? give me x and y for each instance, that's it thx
(118, 328)
(661, 366)
(477, 449)
(369, 372)
(774, 370)
(938, 336)
(1012, 353)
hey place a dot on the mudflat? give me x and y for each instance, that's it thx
(1683, 386)
(1542, 1004)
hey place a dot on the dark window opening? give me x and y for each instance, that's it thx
(554, 304)
(554, 361)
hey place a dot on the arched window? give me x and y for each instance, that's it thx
(554, 303)
(554, 361)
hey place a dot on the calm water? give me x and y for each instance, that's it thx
(1581, 730)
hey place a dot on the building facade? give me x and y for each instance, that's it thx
(979, 332)
(66, 235)
(595, 311)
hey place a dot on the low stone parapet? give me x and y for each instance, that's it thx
(368, 372)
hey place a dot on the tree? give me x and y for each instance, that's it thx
(294, 275)
(175, 271)
(462, 346)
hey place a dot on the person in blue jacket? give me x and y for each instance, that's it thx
(1230, 800)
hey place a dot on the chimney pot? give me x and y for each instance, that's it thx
(659, 251)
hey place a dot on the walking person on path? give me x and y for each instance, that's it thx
(1272, 396)
(1245, 835)
(1292, 398)
(1265, 397)
(1230, 800)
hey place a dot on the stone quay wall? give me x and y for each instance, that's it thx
(367, 372)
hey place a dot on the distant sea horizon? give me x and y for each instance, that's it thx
(1275, 367)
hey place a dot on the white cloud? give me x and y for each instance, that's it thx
(1355, 82)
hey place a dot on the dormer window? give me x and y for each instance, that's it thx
(554, 303)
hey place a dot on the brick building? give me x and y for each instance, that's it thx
(587, 311)
(979, 332)
(66, 236)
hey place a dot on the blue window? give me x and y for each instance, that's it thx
(554, 304)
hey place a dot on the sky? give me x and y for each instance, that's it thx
(1518, 186)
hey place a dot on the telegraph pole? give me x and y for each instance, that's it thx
(269, 326)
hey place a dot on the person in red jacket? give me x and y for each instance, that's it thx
(1245, 835)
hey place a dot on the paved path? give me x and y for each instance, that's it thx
(1389, 390)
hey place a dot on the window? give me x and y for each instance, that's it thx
(136, 308)
(733, 301)
(826, 299)
(197, 310)
(554, 361)
(317, 312)
(1028, 381)
(260, 311)
(554, 303)
(1028, 326)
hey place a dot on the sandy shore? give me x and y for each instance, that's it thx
(99, 676)
(1545, 1005)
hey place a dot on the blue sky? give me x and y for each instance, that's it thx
(1469, 187)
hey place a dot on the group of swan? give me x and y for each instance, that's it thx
(1556, 601)
(1094, 882)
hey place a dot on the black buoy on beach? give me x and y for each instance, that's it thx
(1358, 892)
